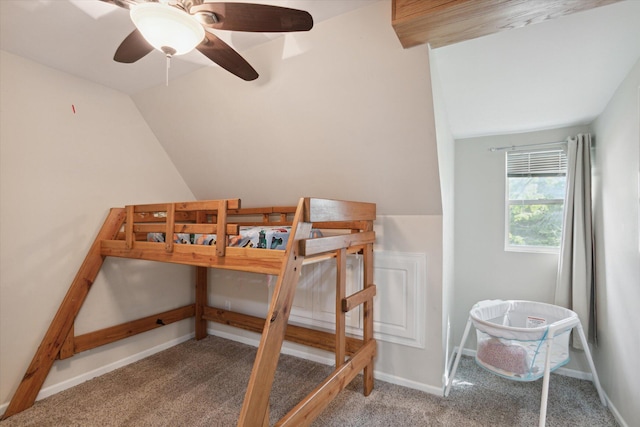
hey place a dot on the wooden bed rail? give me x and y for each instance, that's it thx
(326, 210)
(321, 245)
(353, 221)
(168, 212)
(321, 212)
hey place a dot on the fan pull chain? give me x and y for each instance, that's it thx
(168, 66)
(169, 52)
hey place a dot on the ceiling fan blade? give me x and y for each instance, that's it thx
(132, 48)
(122, 3)
(226, 57)
(259, 18)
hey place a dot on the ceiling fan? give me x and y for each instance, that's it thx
(178, 26)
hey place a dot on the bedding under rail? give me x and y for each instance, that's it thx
(220, 234)
(270, 237)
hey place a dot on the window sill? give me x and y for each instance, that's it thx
(532, 249)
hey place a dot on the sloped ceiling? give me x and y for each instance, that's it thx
(345, 90)
(80, 37)
(347, 115)
(549, 74)
(556, 73)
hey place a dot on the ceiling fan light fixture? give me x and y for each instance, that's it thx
(167, 28)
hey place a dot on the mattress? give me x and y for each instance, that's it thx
(248, 237)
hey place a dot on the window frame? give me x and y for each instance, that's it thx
(562, 171)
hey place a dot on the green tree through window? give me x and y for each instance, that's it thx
(536, 186)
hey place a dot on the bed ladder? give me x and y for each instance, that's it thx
(255, 407)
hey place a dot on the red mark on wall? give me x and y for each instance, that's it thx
(73, 108)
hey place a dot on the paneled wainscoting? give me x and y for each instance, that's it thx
(399, 306)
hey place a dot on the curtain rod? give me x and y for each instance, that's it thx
(515, 147)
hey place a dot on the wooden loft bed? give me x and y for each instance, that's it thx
(347, 228)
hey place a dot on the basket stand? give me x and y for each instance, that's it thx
(547, 367)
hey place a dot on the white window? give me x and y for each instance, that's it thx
(535, 199)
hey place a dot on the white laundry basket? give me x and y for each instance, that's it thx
(523, 341)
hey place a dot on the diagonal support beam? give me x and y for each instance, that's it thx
(63, 321)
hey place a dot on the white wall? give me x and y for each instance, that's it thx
(402, 236)
(616, 217)
(484, 270)
(341, 116)
(446, 166)
(343, 112)
(60, 172)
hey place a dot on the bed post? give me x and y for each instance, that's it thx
(202, 289)
(201, 302)
(368, 315)
(341, 293)
(63, 321)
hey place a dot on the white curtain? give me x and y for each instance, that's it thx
(575, 285)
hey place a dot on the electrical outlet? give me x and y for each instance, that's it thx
(227, 305)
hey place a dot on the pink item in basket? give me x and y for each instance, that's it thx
(506, 357)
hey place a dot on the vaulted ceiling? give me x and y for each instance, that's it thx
(543, 68)
(558, 72)
(81, 37)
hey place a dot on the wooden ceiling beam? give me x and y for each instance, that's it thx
(444, 22)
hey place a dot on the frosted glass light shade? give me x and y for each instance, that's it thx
(167, 28)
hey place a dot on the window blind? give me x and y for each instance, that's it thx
(536, 163)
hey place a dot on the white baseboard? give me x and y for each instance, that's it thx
(560, 371)
(615, 412)
(573, 373)
(71, 382)
(329, 360)
(408, 383)
(56, 388)
(568, 373)
(287, 348)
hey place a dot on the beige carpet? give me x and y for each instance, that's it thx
(203, 383)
